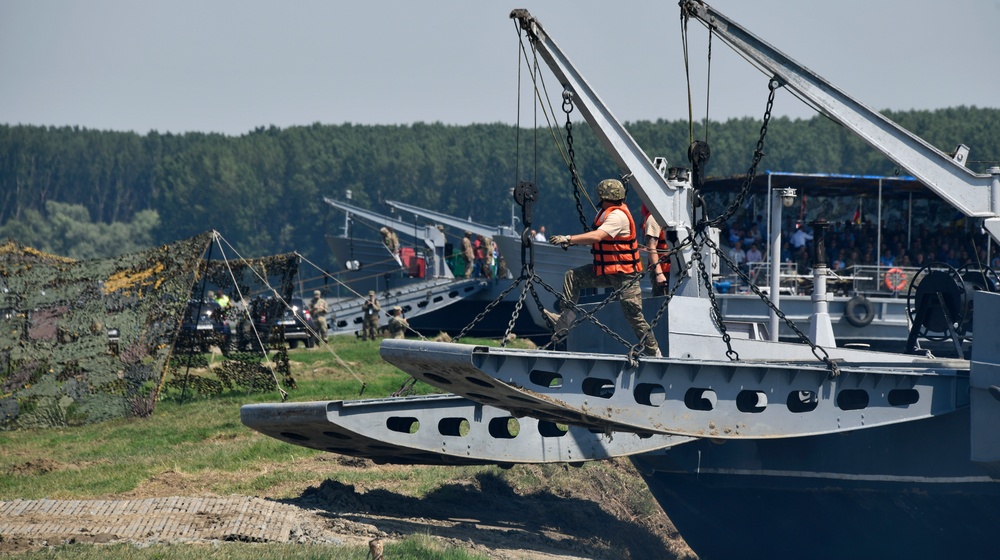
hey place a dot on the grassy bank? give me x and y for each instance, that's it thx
(195, 445)
(414, 548)
(195, 435)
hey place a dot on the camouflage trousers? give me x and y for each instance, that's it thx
(370, 328)
(582, 277)
(320, 321)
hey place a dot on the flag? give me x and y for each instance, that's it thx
(857, 214)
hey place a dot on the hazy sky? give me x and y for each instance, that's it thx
(230, 66)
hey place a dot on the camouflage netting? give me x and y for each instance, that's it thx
(61, 362)
(88, 341)
(259, 290)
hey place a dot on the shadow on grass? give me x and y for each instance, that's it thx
(489, 513)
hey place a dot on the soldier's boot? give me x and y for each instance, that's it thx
(552, 317)
(562, 323)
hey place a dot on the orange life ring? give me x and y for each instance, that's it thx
(895, 279)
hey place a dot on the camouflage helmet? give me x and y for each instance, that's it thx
(611, 189)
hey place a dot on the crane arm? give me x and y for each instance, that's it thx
(429, 235)
(973, 194)
(451, 221)
(670, 203)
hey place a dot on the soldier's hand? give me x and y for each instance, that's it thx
(561, 240)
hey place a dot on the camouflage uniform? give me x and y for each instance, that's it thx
(371, 309)
(318, 310)
(397, 324)
(613, 267)
(390, 239)
(582, 277)
(467, 255)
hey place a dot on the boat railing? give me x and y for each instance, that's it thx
(884, 281)
(790, 281)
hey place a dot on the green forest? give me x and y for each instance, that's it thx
(87, 193)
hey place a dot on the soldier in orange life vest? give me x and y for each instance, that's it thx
(616, 263)
(657, 252)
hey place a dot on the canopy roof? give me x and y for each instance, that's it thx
(821, 184)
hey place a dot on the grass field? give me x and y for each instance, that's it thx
(195, 445)
(199, 441)
(202, 435)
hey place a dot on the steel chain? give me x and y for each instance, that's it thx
(574, 177)
(669, 296)
(758, 154)
(517, 311)
(583, 315)
(538, 303)
(489, 308)
(716, 312)
(818, 351)
(673, 291)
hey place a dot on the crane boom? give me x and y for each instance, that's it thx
(668, 202)
(474, 227)
(973, 194)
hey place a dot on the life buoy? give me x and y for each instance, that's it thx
(895, 279)
(859, 311)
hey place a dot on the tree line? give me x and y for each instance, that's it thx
(88, 193)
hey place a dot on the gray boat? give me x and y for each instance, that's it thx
(756, 448)
(368, 265)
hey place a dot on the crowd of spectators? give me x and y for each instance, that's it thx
(849, 245)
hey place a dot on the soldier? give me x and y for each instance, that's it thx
(490, 262)
(467, 255)
(390, 239)
(398, 324)
(370, 308)
(616, 263)
(657, 250)
(318, 310)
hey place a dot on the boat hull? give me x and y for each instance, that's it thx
(887, 331)
(459, 314)
(384, 275)
(902, 491)
(379, 271)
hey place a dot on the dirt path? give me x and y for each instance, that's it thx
(494, 522)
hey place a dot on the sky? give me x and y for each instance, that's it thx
(230, 66)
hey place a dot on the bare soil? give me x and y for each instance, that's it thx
(603, 512)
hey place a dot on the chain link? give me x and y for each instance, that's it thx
(489, 308)
(574, 176)
(584, 315)
(716, 311)
(758, 154)
(673, 291)
(517, 312)
(818, 351)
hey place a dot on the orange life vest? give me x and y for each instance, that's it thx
(617, 255)
(661, 244)
(661, 250)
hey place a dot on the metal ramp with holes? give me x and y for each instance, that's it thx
(439, 430)
(747, 399)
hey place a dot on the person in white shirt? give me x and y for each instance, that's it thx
(800, 237)
(738, 255)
